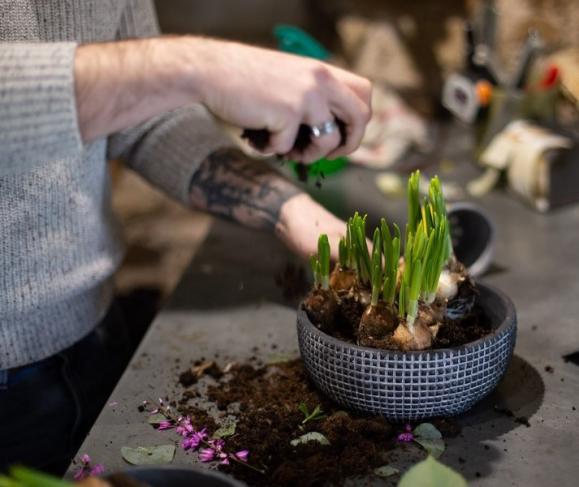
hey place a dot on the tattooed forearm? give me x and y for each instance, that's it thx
(244, 190)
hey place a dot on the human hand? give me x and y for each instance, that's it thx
(254, 88)
(302, 220)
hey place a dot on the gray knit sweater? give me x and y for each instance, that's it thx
(59, 243)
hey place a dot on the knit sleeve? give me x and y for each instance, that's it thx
(168, 149)
(38, 119)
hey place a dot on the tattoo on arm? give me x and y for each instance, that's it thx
(231, 185)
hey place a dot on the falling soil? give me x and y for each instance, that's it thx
(265, 402)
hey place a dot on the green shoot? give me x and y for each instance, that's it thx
(413, 201)
(320, 264)
(343, 254)
(376, 275)
(25, 477)
(412, 277)
(391, 249)
(435, 259)
(315, 415)
(324, 261)
(438, 204)
(361, 248)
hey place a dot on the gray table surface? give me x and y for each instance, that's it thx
(227, 303)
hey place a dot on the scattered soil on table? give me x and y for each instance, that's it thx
(198, 370)
(265, 401)
(549, 369)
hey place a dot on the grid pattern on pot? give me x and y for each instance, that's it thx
(405, 386)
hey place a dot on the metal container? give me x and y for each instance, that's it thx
(408, 386)
(473, 236)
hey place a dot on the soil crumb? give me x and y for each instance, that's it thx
(266, 400)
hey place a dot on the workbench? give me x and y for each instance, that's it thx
(228, 297)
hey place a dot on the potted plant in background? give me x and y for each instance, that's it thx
(405, 337)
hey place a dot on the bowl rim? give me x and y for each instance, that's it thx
(509, 321)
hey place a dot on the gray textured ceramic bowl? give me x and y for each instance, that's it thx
(405, 386)
(181, 477)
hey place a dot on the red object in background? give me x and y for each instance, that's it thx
(550, 78)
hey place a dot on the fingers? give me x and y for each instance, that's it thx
(331, 94)
(325, 143)
(355, 113)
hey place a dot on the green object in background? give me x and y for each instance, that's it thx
(297, 41)
(321, 168)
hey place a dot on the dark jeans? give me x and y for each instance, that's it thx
(47, 408)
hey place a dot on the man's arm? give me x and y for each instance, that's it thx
(121, 84)
(247, 191)
(254, 194)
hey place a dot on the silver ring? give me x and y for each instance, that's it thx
(325, 128)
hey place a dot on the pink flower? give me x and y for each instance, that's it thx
(207, 455)
(165, 425)
(86, 469)
(217, 444)
(185, 427)
(193, 440)
(98, 469)
(407, 436)
(242, 455)
(224, 458)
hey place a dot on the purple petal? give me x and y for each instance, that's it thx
(217, 444)
(98, 469)
(224, 461)
(207, 455)
(165, 425)
(242, 455)
(85, 458)
(405, 437)
(190, 443)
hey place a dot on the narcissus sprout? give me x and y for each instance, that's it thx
(427, 251)
(321, 264)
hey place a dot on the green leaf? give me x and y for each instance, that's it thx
(315, 415)
(226, 429)
(6, 482)
(434, 446)
(148, 455)
(156, 418)
(427, 431)
(312, 436)
(386, 471)
(324, 260)
(430, 473)
(413, 201)
(27, 477)
(343, 253)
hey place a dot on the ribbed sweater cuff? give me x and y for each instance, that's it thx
(169, 149)
(38, 120)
